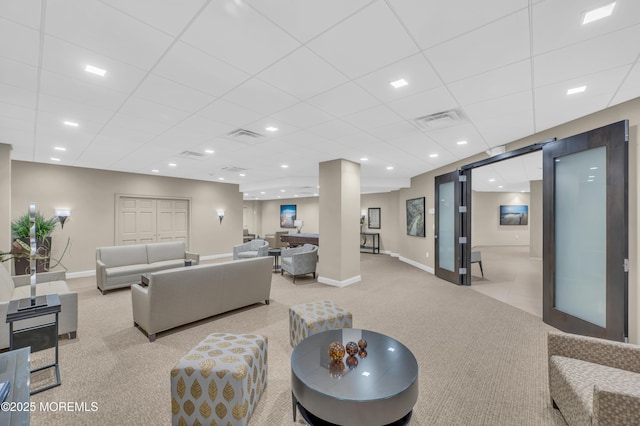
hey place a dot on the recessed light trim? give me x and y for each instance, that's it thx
(242, 174)
(399, 83)
(576, 90)
(173, 165)
(155, 171)
(461, 142)
(271, 129)
(59, 148)
(598, 13)
(95, 70)
(70, 123)
(55, 159)
(220, 178)
(364, 159)
(209, 151)
(433, 155)
(285, 166)
(389, 167)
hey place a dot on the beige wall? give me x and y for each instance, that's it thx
(535, 219)
(387, 202)
(90, 194)
(307, 210)
(414, 249)
(485, 219)
(5, 203)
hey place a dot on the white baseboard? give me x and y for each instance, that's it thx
(417, 265)
(343, 283)
(81, 274)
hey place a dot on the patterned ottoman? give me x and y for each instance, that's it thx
(310, 318)
(220, 381)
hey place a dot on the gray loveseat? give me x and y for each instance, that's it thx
(594, 381)
(121, 266)
(179, 296)
(19, 287)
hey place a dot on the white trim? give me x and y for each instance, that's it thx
(417, 265)
(343, 283)
(81, 274)
(394, 254)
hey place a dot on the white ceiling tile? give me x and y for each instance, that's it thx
(257, 42)
(425, 103)
(18, 96)
(449, 137)
(80, 91)
(131, 123)
(566, 20)
(399, 130)
(415, 70)
(107, 31)
(606, 52)
(70, 60)
(334, 129)
(260, 97)
(68, 109)
(372, 118)
(166, 92)
(305, 20)
(191, 67)
(504, 119)
(303, 115)
(344, 100)
(166, 15)
(302, 74)
(483, 49)
(229, 113)
(432, 22)
(18, 74)
(27, 50)
(357, 45)
(260, 127)
(22, 12)
(630, 87)
(141, 108)
(493, 84)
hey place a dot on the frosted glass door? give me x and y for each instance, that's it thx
(446, 226)
(581, 235)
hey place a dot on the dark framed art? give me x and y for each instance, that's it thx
(374, 218)
(514, 215)
(287, 215)
(415, 217)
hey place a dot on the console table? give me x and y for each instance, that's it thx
(14, 368)
(375, 242)
(38, 337)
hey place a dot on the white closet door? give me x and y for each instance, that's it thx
(149, 220)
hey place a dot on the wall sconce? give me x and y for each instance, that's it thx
(220, 215)
(63, 215)
(298, 224)
(363, 214)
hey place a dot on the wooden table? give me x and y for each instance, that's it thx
(300, 239)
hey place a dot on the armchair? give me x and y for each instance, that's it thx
(594, 381)
(300, 260)
(253, 248)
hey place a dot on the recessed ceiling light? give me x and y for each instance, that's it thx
(364, 159)
(284, 166)
(271, 129)
(155, 171)
(593, 168)
(500, 186)
(59, 148)
(246, 194)
(296, 195)
(389, 167)
(433, 155)
(315, 195)
(462, 142)
(283, 190)
(262, 192)
(599, 13)
(172, 164)
(220, 178)
(71, 123)
(95, 70)
(55, 159)
(243, 174)
(399, 83)
(576, 90)
(209, 151)
(492, 180)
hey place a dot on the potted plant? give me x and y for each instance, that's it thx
(21, 232)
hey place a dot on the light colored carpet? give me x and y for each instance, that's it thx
(481, 362)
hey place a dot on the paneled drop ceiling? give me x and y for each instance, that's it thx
(183, 76)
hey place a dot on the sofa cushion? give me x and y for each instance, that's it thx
(6, 285)
(248, 254)
(165, 251)
(166, 264)
(123, 255)
(120, 271)
(574, 382)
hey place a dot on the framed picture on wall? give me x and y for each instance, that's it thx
(287, 215)
(374, 218)
(514, 215)
(415, 217)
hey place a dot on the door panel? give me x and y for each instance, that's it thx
(149, 220)
(585, 232)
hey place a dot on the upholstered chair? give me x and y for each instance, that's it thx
(300, 260)
(253, 248)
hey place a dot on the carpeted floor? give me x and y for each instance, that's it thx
(481, 362)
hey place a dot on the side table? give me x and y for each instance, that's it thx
(14, 368)
(275, 252)
(39, 337)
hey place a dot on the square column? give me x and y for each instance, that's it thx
(339, 252)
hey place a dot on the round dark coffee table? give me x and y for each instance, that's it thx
(381, 390)
(275, 252)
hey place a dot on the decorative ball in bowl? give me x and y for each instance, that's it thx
(352, 348)
(336, 351)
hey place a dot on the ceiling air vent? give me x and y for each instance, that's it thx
(245, 136)
(440, 119)
(233, 169)
(191, 154)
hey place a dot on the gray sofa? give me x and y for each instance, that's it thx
(121, 266)
(594, 381)
(183, 295)
(18, 287)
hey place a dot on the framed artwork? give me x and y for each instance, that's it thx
(415, 217)
(287, 215)
(514, 215)
(374, 218)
